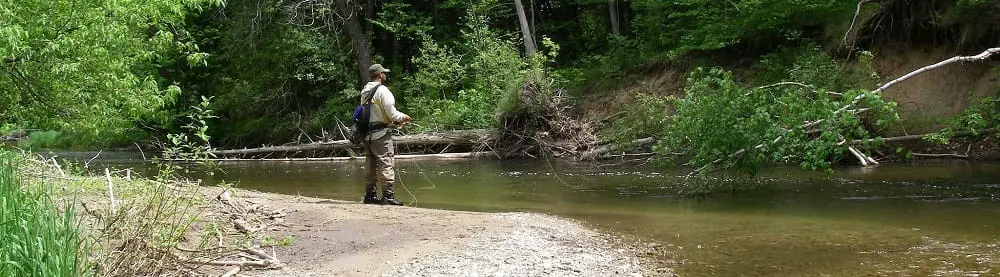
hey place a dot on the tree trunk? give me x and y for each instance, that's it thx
(358, 38)
(462, 137)
(440, 156)
(613, 10)
(532, 26)
(529, 42)
(434, 13)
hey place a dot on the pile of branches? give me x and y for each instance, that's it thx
(243, 219)
(542, 126)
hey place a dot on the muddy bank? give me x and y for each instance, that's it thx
(352, 239)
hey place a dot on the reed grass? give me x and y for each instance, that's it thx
(36, 239)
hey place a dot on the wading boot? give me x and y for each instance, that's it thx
(371, 198)
(390, 199)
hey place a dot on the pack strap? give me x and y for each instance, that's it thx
(380, 107)
(372, 96)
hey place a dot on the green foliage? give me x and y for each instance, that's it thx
(679, 27)
(194, 144)
(400, 19)
(44, 139)
(984, 113)
(807, 63)
(272, 79)
(37, 239)
(7, 129)
(88, 68)
(460, 86)
(647, 117)
(607, 69)
(719, 117)
(271, 241)
(441, 70)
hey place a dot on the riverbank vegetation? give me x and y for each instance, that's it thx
(62, 218)
(748, 83)
(38, 239)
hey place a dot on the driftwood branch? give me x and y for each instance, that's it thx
(919, 137)
(864, 159)
(590, 155)
(858, 155)
(264, 263)
(957, 156)
(795, 84)
(232, 272)
(979, 57)
(111, 192)
(854, 20)
(58, 167)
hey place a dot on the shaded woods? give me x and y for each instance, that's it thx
(549, 78)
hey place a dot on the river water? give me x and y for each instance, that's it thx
(932, 218)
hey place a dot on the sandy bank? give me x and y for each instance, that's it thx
(338, 238)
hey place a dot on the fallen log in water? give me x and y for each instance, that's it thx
(461, 137)
(593, 154)
(987, 131)
(444, 156)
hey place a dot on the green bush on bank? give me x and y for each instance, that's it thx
(37, 239)
(983, 113)
(459, 86)
(720, 113)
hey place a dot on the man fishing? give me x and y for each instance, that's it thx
(378, 144)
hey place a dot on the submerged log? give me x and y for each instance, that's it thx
(461, 137)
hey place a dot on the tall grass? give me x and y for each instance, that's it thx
(35, 238)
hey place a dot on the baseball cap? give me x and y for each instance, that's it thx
(375, 69)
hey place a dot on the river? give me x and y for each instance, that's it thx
(925, 218)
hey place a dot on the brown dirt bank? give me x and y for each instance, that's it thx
(340, 238)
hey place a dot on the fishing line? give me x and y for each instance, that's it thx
(421, 171)
(556, 174)
(415, 201)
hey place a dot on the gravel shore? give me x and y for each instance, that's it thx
(537, 245)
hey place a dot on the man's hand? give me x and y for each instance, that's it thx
(406, 120)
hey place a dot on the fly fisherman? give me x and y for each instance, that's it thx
(379, 148)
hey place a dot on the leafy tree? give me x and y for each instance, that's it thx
(273, 79)
(90, 67)
(682, 26)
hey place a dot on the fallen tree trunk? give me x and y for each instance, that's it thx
(462, 137)
(919, 137)
(956, 156)
(590, 155)
(443, 156)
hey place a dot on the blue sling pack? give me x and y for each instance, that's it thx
(362, 120)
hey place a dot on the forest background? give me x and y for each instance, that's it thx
(707, 79)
